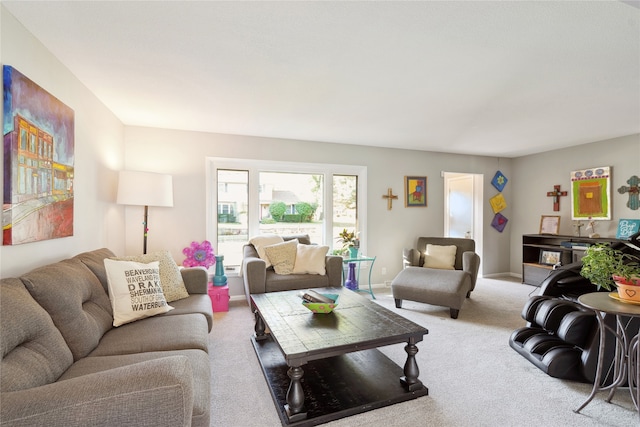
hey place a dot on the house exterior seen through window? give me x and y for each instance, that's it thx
(254, 197)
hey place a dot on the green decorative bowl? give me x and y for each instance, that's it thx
(320, 307)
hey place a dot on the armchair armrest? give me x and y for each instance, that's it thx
(471, 264)
(195, 279)
(333, 265)
(160, 390)
(410, 257)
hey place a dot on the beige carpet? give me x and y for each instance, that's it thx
(474, 377)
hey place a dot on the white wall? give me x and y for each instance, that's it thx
(183, 155)
(98, 222)
(535, 175)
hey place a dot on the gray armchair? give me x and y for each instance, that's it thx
(448, 288)
(259, 280)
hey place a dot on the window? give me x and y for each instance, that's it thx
(250, 197)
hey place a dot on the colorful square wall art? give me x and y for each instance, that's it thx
(498, 203)
(499, 181)
(38, 133)
(590, 193)
(499, 222)
(415, 191)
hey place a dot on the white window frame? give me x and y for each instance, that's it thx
(256, 166)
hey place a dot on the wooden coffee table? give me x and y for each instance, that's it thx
(321, 367)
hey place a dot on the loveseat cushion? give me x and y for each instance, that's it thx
(159, 333)
(75, 300)
(33, 350)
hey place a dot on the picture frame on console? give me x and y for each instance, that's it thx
(549, 224)
(549, 257)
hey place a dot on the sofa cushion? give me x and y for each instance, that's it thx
(282, 256)
(94, 260)
(310, 259)
(159, 333)
(75, 300)
(198, 359)
(196, 303)
(134, 290)
(170, 278)
(33, 350)
(263, 240)
(443, 257)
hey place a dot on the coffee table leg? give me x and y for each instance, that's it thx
(294, 408)
(259, 327)
(410, 380)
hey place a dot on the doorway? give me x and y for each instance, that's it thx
(463, 206)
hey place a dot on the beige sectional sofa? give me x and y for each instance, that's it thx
(64, 364)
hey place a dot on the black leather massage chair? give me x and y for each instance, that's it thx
(561, 337)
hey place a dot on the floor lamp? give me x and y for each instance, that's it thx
(145, 189)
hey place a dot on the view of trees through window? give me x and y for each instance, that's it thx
(282, 203)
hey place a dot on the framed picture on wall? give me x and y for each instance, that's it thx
(415, 191)
(549, 224)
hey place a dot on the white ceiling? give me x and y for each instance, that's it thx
(497, 78)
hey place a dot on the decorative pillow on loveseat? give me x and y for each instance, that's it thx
(282, 256)
(170, 277)
(310, 259)
(443, 257)
(135, 290)
(262, 241)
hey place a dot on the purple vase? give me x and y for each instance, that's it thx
(351, 282)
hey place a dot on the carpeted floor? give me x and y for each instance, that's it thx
(474, 377)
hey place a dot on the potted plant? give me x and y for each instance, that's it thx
(349, 241)
(609, 268)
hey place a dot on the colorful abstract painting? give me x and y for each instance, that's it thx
(38, 133)
(415, 191)
(590, 193)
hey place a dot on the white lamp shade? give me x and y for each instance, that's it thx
(145, 189)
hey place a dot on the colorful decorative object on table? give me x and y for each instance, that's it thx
(590, 193)
(351, 282)
(634, 192)
(499, 222)
(499, 181)
(219, 279)
(353, 252)
(556, 194)
(199, 255)
(415, 191)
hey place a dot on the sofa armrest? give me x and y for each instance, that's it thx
(195, 279)
(160, 390)
(333, 266)
(471, 264)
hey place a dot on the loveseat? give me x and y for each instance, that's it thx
(259, 278)
(65, 364)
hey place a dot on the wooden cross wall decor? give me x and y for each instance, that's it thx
(556, 194)
(634, 192)
(390, 198)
